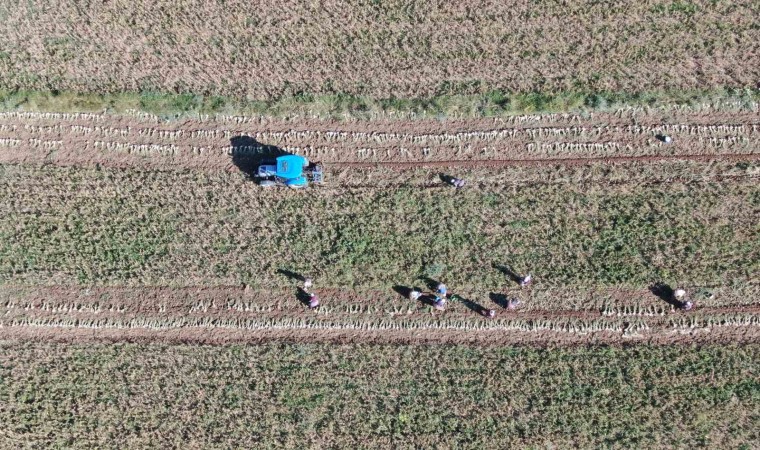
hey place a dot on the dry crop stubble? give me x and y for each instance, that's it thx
(381, 50)
(145, 253)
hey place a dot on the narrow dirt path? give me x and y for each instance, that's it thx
(488, 338)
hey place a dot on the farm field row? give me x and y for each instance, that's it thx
(223, 142)
(377, 396)
(378, 49)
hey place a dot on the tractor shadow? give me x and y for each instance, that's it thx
(248, 154)
(303, 297)
(506, 270)
(292, 275)
(665, 293)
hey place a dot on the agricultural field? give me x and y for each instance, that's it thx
(137, 250)
(137, 227)
(151, 292)
(378, 49)
(307, 396)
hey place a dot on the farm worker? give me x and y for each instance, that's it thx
(457, 182)
(526, 281)
(490, 313)
(307, 283)
(440, 303)
(513, 304)
(415, 295)
(441, 290)
(313, 301)
(679, 295)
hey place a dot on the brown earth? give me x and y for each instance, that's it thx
(738, 335)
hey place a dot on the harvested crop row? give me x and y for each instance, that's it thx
(216, 315)
(538, 301)
(734, 328)
(608, 315)
(70, 226)
(216, 144)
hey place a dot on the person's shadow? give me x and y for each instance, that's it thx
(665, 293)
(430, 283)
(499, 299)
(292, 275)
(506, 270)
(248, 154)
(471, 305)
(446, 179)
(303, 297)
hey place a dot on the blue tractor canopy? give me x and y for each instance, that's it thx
(291, 166)
(290, 170)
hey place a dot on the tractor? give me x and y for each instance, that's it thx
(293, 171)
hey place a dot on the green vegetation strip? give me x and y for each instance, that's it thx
(344, 106)
(320, 396)
(103, 226)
